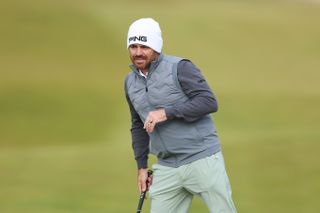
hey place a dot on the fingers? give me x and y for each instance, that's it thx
(142, 186)
(149, 125)
(142, 180)
(150, 181)
(150, 122)
(153, 118)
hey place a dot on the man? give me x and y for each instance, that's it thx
(170, 104)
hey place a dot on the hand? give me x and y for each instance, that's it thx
(153, 118)
(144, 180)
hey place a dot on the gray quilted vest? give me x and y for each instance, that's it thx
(174, 142)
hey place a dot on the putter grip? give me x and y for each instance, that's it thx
(143, 194)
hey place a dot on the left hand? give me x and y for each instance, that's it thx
(153, 118)
(144, 182)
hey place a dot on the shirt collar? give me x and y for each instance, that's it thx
(143, 75)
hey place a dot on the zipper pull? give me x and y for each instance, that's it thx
(146, 89)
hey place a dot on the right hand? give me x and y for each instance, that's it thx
(144, 181)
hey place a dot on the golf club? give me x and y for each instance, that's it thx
(143, 194)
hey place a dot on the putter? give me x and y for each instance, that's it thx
(143, 195)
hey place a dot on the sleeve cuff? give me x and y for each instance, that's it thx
(170, 113)
(142, 164)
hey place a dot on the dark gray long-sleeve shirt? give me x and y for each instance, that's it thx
(201, 102)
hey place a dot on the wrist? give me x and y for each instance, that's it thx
(163, 114)
(142, 171)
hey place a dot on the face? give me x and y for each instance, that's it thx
(142, 56)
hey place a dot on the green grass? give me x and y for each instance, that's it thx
(64, 123)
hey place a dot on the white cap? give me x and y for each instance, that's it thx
(145, 31)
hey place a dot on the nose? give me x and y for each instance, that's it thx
(138, 51)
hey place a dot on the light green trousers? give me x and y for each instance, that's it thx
(172, 189)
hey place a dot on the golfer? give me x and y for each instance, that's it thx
(170, 104)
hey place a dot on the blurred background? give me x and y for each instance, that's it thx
(65, 144)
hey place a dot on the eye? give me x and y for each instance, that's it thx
(133, 46)
(145, 47)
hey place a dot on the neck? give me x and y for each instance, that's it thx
(145, 71)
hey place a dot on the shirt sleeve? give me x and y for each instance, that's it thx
(140, 138)
(201, 101)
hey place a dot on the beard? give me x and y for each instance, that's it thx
(141, 62)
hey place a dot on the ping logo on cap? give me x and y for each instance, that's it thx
(139, 38)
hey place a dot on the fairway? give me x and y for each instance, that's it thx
(65, 144)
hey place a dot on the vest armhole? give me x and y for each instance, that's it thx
(175, 73)
(126, 84)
